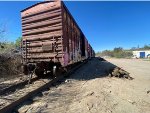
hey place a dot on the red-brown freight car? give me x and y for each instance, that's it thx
(51, 38)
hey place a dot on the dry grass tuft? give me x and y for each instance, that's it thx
(10, 64)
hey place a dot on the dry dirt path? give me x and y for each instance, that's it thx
(89, 90)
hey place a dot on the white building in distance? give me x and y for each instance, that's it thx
(141, 54)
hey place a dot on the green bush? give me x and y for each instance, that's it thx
(117, 53)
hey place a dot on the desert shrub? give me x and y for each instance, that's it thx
(116, 52)
(10, 64)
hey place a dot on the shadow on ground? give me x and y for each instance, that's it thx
(94, 68)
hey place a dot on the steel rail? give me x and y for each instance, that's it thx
(19, 85)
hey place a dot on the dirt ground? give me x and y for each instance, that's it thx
(89, 90)
(11, 80)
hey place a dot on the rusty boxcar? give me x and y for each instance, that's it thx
(51, 38)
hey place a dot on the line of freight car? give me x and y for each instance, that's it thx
(52, 40)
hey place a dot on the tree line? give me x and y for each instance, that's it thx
(119, 52)
(7, 46)
(145, 47)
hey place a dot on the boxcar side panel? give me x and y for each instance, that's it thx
(72, 38)
(82, 45)
(86, 48)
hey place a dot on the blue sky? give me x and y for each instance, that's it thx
(105, 24)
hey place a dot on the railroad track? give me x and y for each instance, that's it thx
(9, 102)
(13, 88)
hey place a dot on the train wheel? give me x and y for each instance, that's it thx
(30, 77)
(39, 72)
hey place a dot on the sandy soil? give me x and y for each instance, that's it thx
(89, 90)
(11, 80)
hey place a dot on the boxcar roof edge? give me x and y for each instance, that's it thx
(72, 17)
(35, 5)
